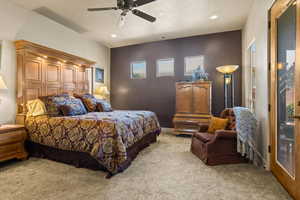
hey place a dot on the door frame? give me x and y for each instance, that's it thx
(249, 75)
(290, 184)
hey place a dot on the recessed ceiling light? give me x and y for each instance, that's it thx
(213, 17)
(113, 35)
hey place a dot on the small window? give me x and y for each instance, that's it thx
(138, 70)
(192, 63)
(165, 67)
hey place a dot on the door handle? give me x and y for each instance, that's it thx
(296, 116)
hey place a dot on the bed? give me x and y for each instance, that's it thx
(97, 140)
(89, 135)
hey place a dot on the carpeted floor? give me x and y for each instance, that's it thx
(164, 171)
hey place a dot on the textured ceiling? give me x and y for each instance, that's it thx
(175, 18)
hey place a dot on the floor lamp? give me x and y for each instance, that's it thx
(228, 71)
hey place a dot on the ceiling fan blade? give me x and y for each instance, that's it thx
(102, 9)
(144, 15)
(142, 2)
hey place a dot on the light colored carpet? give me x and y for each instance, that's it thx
(166, 170)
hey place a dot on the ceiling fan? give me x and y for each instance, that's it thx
(129, 6)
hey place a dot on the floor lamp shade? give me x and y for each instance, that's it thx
(228, 71)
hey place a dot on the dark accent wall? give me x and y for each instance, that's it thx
(157, 94)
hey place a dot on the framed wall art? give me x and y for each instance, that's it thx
(99, 75)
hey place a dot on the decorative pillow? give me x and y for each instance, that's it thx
(91, 103)
(36, 108)
(66, 110)
(69, 106)
(53, 104)
(229, 114)
(88, 100)
(99, 107)
(51, 107)
(217, 124)
(103, 106)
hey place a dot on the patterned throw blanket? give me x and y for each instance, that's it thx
(104, 135)
(246, 125)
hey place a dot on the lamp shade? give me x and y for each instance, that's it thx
(102, 90)
(227, 69)
(2, 84)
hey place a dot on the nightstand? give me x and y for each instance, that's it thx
(12, 138)
(20, 119)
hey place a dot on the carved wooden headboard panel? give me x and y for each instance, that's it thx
(42, 71)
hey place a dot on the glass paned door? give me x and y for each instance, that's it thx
(286, 58)
(284, 82)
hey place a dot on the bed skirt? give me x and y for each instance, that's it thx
(85, 160)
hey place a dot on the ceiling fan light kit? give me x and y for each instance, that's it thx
(129, 6)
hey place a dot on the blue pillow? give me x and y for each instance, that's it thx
(70, 106)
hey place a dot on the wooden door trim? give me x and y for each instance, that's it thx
(297, 108)
(278, 8)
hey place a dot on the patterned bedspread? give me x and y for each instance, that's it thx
(104, 135)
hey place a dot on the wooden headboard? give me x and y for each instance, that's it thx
(43, 71)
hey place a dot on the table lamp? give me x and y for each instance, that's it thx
(102, 92)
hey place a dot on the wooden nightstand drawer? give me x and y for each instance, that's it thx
(20, 119)
(12, 137)
(10, 149)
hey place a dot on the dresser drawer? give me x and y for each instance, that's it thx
(12, 137)
(6, 150)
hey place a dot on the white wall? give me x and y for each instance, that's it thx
(256, 29)
(26, 25)
(8, 70)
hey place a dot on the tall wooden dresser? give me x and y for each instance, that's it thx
(193, 106)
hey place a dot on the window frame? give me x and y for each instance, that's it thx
(131, 69)
(251, 74)
(185, 63)
(157, 67)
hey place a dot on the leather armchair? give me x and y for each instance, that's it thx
(219, 147)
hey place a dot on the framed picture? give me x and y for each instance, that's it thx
(99, 75)
(138, 70)
(165, 67)
(192, 63)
